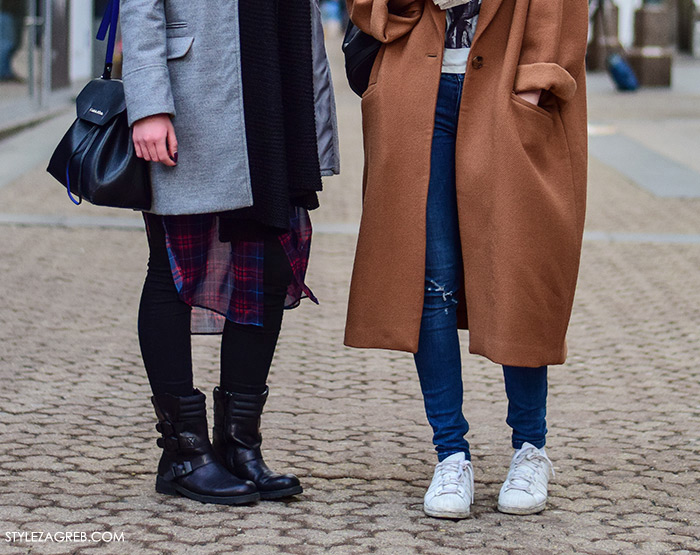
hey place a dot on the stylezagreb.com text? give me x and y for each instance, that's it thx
(63, 537)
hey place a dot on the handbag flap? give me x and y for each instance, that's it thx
(101, 100)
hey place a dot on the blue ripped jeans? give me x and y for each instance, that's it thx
(438, 359)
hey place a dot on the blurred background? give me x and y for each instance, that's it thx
(47, 53)
(48, 49)
(643, 64)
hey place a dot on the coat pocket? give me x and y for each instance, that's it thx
(534, 124)
(546, 76)
(530, 106)
(178, 47)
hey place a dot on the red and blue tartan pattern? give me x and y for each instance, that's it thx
(225, 280)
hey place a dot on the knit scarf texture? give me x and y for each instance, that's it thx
(278, 98)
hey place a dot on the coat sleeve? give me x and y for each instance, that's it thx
(145, 72)
(554, 47)
(385, 20)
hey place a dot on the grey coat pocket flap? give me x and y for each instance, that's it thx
(178, 46)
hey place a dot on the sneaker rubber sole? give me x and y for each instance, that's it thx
(446, 514)
(522, 510)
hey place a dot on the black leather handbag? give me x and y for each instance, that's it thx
(360, 50)
(96, 160)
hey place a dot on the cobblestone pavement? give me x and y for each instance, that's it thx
(77, 431)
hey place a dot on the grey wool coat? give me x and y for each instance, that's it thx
(182, 57)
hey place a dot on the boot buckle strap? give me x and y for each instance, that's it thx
(178, 470)
(246, 455)
(171, 443)
(181, 469)
(166, 428)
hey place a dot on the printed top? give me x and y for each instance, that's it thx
(459, 34)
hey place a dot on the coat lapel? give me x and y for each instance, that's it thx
(438, 17)
(486, 15)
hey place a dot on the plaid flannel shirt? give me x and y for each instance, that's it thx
(225, 280)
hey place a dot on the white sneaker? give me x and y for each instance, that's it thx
(525, 490)
(452, 490)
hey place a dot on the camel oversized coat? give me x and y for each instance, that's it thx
(521, 176)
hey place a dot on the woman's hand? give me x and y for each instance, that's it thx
(154, 139)
(533, 97)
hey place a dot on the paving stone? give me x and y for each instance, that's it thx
(78, 435)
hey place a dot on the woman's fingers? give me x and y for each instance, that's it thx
(137, 148)
(154, 139)
(162, 152)
(533, 97)
(144, 151)
(138, 143)
(172, 142)
(152, 151)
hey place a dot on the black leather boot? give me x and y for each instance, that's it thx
(188, 465)
(237, 441)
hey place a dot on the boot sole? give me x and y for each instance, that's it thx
(171, 488)
(279, 494)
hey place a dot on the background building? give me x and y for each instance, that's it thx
(51, 51)
(684, 15)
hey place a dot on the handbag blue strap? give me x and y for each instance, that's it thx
(109, 22)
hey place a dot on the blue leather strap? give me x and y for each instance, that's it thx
(109, 22)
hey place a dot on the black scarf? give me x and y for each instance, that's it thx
(278, 97)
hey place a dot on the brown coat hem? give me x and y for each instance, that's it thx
(498, 352)
(510, 354)
(378, 339)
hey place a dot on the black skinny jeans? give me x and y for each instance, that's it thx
(164, 325)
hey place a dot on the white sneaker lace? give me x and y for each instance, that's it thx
(525, 467)
(451, 476)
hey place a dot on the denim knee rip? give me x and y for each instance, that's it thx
(449, 298)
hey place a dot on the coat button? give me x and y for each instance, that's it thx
(478, 62)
